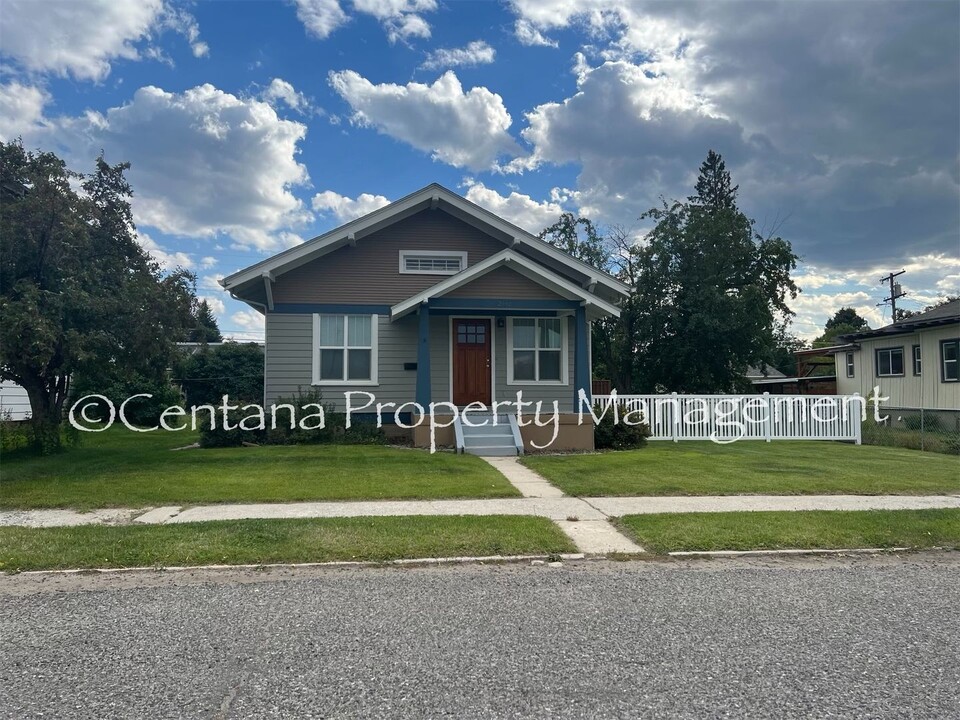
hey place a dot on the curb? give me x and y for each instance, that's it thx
(791, 551)
(401, 562)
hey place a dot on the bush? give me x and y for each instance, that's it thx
(232, 369)
(610, 435)
(143, 412)
(14, 434)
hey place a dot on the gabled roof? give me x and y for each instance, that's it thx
(945, 314)
(516, 262)
(432, 196)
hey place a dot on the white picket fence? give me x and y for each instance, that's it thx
(726, 418)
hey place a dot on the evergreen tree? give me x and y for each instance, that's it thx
(205, 329)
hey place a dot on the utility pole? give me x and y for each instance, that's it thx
(895, 292)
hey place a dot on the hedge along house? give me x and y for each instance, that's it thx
(915, 362)
(434, 299)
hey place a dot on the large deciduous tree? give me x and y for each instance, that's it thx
(711, 293)
(78, 294)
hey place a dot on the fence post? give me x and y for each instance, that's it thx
(769, 423)
(674, 408)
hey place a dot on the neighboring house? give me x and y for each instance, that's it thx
(432, 299)
(915, 362)
(14, 402)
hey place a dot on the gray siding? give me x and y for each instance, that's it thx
(504, 283)
(289, 362)
(370, 272)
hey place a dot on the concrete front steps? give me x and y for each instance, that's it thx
(490, 440)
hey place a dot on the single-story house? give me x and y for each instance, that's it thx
(433, 299)
(915, 362)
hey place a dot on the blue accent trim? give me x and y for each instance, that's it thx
(423, 358)
(581, 358)
(336, 308)
(496, 312)
(506, 304)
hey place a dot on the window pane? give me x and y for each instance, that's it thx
(883, 363)
(523, 365)
(950, 350)
(358, 364)
(550, 365)
(359, 326)
(331, 330)
(550, 333)
(331, 364)
(524, 333)
(896, 362)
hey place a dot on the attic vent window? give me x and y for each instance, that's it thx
(432, 262)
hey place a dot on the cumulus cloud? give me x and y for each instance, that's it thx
(477, 52)
(216, 304)
(212, 282)
(527, 34)
(215, 164)
(167, 260)
(464, 129)
(522, 210)
(401, 19)
(208, 262)
(81, 38)
(281, 91)
(345, 209)
(248, 325)
(21, 109)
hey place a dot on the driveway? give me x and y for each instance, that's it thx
(804, 637)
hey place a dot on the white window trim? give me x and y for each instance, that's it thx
(374, 352)
(944, 361)
(850, 364)
(564, 353)
(432, 253)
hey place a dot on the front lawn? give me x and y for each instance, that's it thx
(236, 542)
(807, 529)
(752, 468)
(119, 468)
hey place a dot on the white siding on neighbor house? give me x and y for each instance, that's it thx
(906, 391)
(13, 401)
(289, 362)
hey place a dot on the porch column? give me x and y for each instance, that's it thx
(581, 357)
(423, 358)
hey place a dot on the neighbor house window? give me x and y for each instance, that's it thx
(345, 349)
(889, 362)
(537, 349)
(432, 262)
(916, 360)
(849, 364)
(950, 360)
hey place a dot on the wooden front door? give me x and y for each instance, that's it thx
(471, 361)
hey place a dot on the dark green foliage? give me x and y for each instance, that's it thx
(205, 328)
(610, 435)
(847, 317)
(578, 236)
(232, 369)
(79, 297)
(142, 412)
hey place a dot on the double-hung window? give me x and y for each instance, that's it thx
(950, 360)
(344, 349)
(849, 359)
(916, 360)
(889, 362)
(537, 351)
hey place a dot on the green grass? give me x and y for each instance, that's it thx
(663, 533)
(273, 541)
(745, 468)
(119, 468)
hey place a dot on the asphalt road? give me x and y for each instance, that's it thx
(867, 637)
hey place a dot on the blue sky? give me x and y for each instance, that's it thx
(253, 126)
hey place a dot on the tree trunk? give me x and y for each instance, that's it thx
(45, 416)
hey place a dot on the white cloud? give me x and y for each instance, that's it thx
(167, 260)
(522, 210)
(527, 34)
(281, 91)
(81, 38)
(208, 262)
(463, 129)
(215, 163)
(401, 19)
(476, 52)
(216, 304)
(320, 17)
(212, 282)
(249, 326)
(21, 109)
(344, 208)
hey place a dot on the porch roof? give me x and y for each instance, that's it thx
(518, 263)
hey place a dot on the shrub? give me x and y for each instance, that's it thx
(610, 435)
(14, 434)
(232, 369)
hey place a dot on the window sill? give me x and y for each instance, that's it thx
(345, 383)
(538, 383)
(899, 375)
